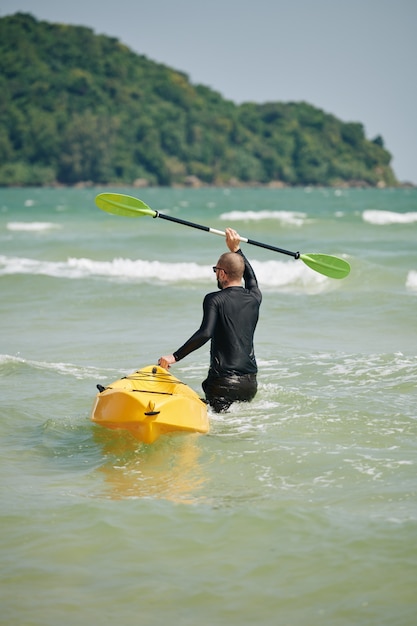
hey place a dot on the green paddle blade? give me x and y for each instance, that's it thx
(120, 204)
(328, 265)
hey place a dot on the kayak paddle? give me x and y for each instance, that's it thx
(121, 204)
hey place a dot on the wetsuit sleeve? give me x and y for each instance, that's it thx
(251, 282)
(204, 333)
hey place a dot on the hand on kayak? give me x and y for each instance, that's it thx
(166, 361)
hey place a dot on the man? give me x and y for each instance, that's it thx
(229, 320)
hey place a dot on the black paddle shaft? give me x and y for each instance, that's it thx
(252, 242)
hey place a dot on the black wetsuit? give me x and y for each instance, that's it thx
(229, 320)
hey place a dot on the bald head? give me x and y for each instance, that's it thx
(233, 264)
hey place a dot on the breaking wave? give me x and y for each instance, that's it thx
(37, 227)
(286, 275)
(285, 217)
(386, 218)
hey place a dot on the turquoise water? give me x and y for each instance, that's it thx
(299, 508)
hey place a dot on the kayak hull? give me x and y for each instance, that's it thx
(149, 403)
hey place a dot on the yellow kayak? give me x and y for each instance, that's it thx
(149, 403)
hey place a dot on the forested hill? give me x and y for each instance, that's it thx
(78, 107)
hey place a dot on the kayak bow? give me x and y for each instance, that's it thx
(148, 403)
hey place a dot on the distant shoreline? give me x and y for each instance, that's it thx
(118, 185)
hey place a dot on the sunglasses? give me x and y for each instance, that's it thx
(218, 268)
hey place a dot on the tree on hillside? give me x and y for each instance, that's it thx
(77, 107)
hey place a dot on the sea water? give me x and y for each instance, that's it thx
(296, 509)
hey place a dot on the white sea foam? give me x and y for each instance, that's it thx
(411, 282)
(285, 217)
(292, 275)
(32, 226)
(388, 369)
(118, 268)
(284, 275)
(385, 218)
(65, 369)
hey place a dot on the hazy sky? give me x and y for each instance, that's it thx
(356, 59)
